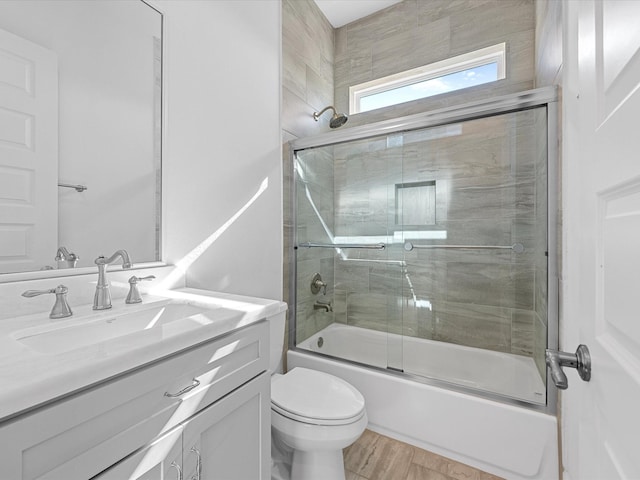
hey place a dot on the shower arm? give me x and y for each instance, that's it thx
(316, 115)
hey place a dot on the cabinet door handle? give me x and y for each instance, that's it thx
(198, 463)
(184, 390)
(177, 467)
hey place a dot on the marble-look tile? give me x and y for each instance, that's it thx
(491, 25)
(491, 197)
(319, 90)
(522, 332)
(425, 44)
(357, 458)
(416, 472)
(521, 55)
(340, 306)
(294, 74)
(349, 475)
(351, 278)
(377, 457)
(374, 311)
(436, 9)
(540, 345)
(473, 325)
(548, 42)
(490, 284)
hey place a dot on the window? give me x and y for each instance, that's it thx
(456, 73)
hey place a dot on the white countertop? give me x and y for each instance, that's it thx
(30, 378)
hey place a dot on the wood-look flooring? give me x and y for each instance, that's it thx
(377, 457)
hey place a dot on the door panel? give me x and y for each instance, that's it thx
(602, 228)
(28, 155)
(229, 435)
(161, 460)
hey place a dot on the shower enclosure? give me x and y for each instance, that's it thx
(425, 246)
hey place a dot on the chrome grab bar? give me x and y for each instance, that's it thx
(374, 246)
(516, 247)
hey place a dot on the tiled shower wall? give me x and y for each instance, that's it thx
(307, 87)
(413, 33)
(489, 177)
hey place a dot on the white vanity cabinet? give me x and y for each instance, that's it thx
(225, 441)
(213, 396)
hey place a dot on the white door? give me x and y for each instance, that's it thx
(28, 155)
(601, 245)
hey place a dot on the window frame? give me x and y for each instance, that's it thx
(477, 58)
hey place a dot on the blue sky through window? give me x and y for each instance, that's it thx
(435, 86)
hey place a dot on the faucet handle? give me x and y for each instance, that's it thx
(317, 284)
(134, 293)
(60, 308)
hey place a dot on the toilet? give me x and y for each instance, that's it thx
(314, 415)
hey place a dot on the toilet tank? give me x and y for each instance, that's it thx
(276, 341)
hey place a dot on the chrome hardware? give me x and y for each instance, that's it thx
(178, 468)
(66, 259)
(134, 293)
(60, 308)
(102, 298)
(77, 188)
(317, 284)
(369, 246)
(327, 307)
(184, 390)
(198, 463)
(516, 247)
(581, 360)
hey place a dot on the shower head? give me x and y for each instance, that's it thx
(337, 120)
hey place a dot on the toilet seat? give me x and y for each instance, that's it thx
(316, 398)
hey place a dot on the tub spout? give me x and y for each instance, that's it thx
(327, 307)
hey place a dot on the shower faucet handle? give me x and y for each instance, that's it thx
(317, 284)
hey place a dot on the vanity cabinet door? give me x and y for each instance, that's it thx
(231, 438)
(161, 460)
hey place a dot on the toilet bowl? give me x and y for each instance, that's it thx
(315, 415)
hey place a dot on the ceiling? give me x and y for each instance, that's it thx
(341, 12)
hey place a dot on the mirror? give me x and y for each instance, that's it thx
(80, 132)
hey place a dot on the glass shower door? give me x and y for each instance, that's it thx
(472, 208)
(344, 232)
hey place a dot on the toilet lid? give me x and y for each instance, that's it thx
(316, 395)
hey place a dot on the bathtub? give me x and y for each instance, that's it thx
(507, 440)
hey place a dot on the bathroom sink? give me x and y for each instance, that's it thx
(159, 322)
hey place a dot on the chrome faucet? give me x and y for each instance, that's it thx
(60, 308)
(66, 259)
(102, 298)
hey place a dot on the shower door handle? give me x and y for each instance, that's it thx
(581, 360)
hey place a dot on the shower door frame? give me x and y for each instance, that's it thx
(541, 97)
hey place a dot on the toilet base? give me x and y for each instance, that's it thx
(317, 465)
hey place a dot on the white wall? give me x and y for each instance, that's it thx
(222, 87)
